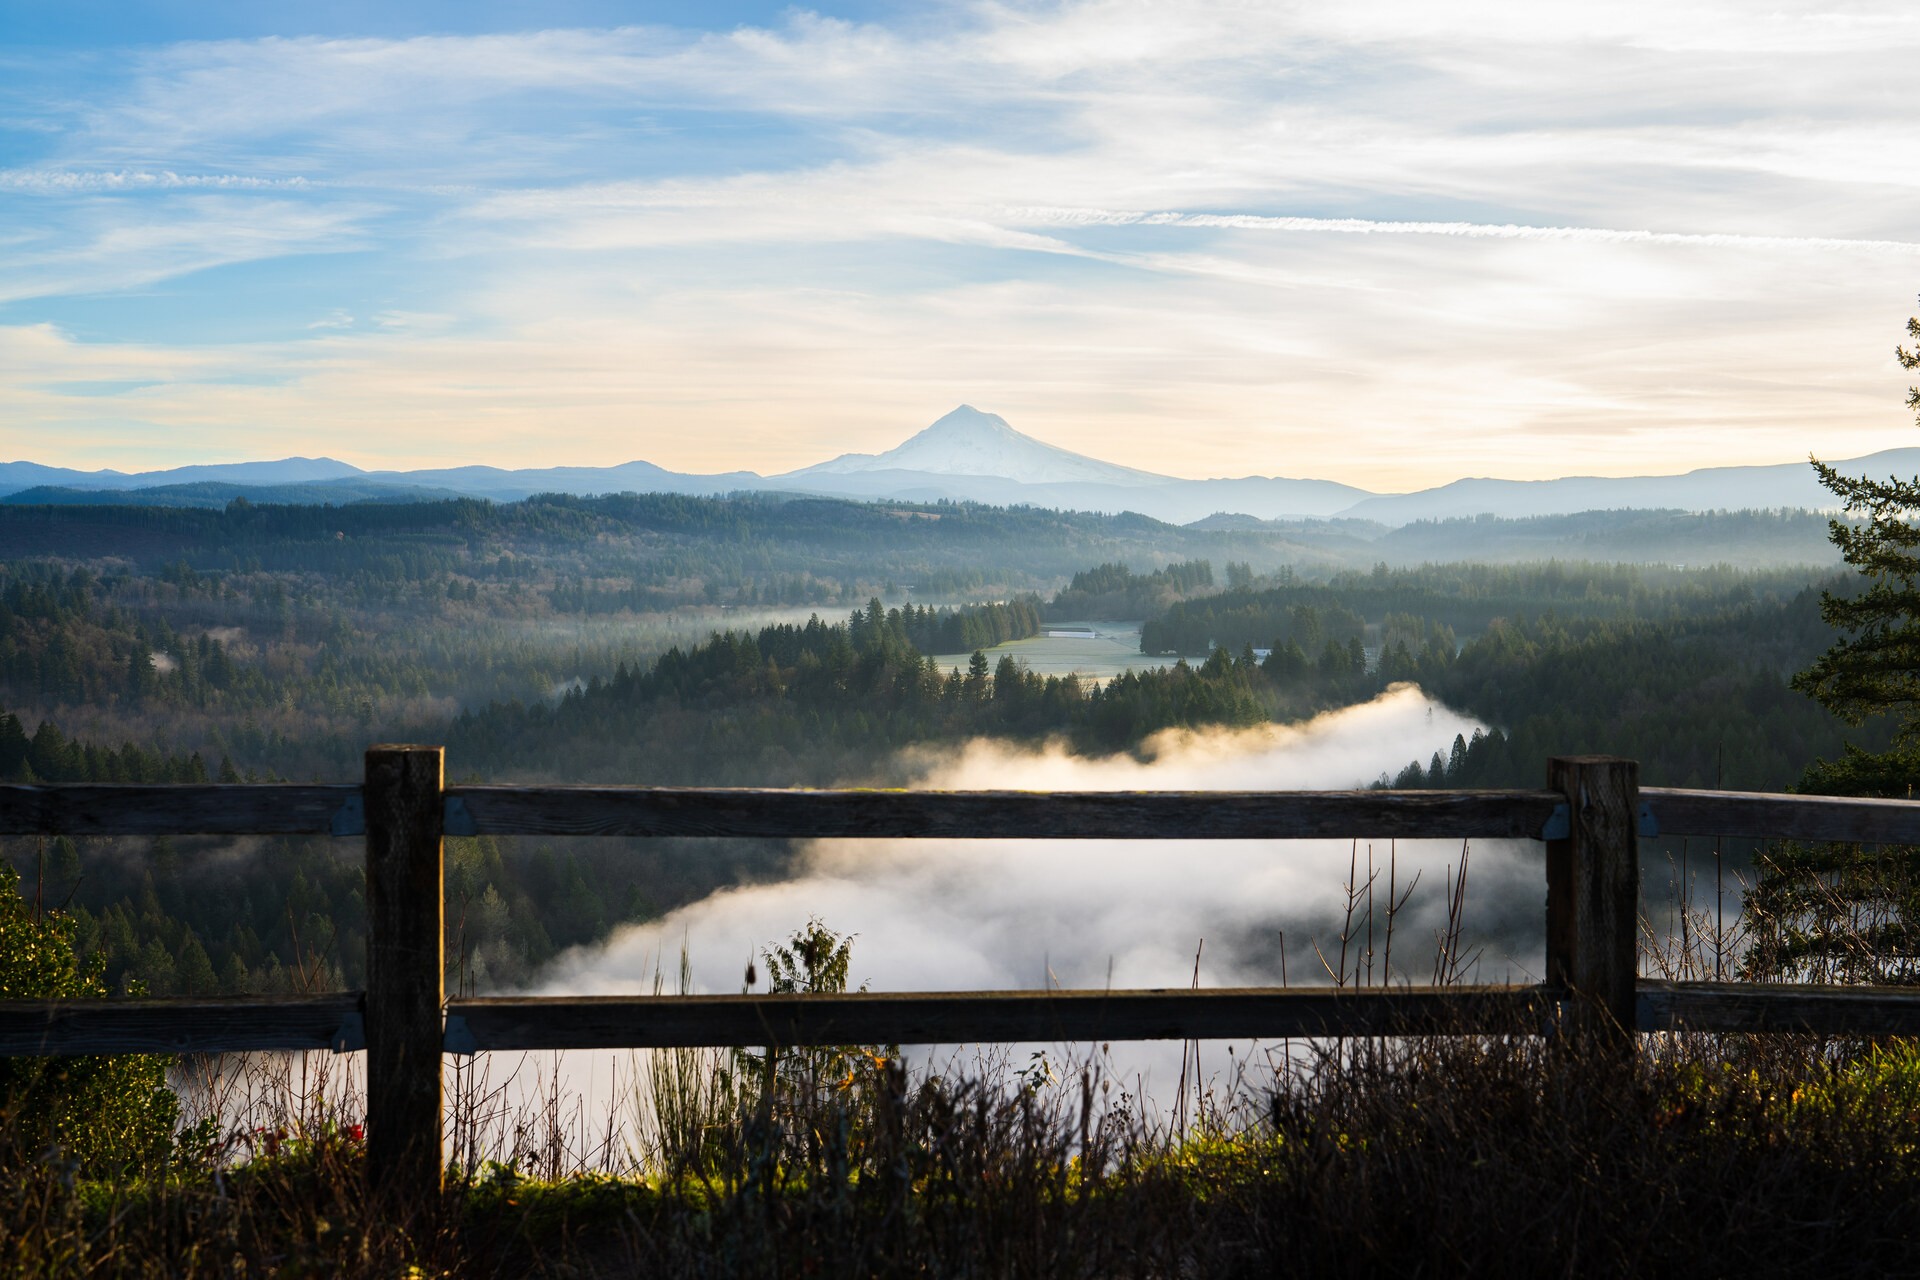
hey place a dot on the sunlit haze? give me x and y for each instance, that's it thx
(1385, 244)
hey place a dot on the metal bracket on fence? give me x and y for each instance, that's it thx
(457, 1037)
(455, 820)
(350, 1036)
(1553, 1012)
(350, 819)
(1559, 823)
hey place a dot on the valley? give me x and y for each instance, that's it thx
(754, 642)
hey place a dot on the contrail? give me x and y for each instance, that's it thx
(1465, 230)
(67, 181)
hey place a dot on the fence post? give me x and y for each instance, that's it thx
(405, 973)
(1593, 893)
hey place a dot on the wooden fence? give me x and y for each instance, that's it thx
(1589, 819)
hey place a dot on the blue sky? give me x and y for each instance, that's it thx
(1390, 244)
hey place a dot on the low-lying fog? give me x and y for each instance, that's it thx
(979, 914)
(985, 914)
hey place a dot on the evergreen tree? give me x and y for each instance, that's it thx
(1874, 668)
(1840, 912)
(977, 676)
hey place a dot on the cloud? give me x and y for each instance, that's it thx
(1464, 230)
(1511, 240)
(95, 247)
(1504, 358)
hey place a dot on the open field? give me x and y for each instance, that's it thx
(1116, 650)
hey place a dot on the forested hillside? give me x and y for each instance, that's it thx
(284, 636)
(637, 551)
(759, 642)
(807, 705)
(1464, 596)
(1684, 670)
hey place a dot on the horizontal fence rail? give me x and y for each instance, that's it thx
(334, 1022)
(1588, 821)
(106, 809)
(1039, 815)
(230, 1024)
(1762, 815)
(183, 809)
(337, 809)
(1737, 1006)
(984, 1017)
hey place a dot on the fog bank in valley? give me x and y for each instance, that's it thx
(1004, 914)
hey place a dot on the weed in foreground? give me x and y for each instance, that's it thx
(1427, 1155)
(1494, 1155)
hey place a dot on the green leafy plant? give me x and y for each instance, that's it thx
(91, 1115)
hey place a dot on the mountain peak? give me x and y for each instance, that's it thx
(971, 442)
(967, 424)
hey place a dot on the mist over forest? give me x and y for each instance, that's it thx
(769, 641)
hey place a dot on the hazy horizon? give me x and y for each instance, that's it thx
(747, 465)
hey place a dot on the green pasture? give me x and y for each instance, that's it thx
(1115, 649)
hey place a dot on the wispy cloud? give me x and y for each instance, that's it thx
(98, 246)
(1466, 230)
(763, 245)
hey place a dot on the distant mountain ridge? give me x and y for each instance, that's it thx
(974, 456)
(15, 476)
(628, 477)
(1790, 485)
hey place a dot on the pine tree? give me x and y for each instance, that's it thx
(1874, 668)
(1840, 912)
(977, 676)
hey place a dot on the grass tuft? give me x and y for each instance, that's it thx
(1438, 1155)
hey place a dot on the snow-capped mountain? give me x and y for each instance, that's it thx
(968, 442)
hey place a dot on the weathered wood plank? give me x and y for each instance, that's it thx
(1593, 892)
(1752, 1006)
(970, 1017)
(1212, 815)
(1770, 815)
(406, 941)
(216, 809)
(37, 1028)
(107, 809)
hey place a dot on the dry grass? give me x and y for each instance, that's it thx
(1436, 1155)
(1487, 1155)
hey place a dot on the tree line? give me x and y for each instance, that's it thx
(1465, 597)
